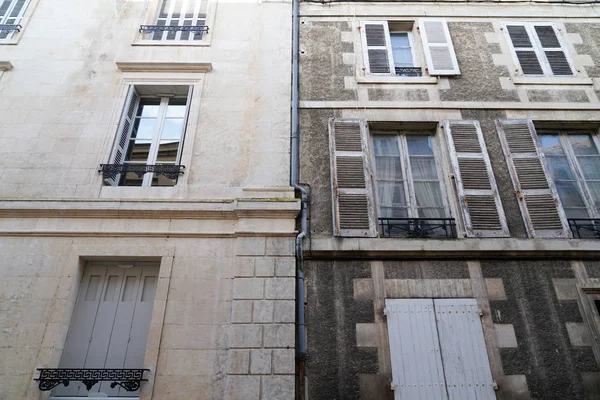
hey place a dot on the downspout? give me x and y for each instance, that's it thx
(295, 170)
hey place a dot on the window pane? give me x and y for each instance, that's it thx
(419, 145)
(131, 179)
(148, 108)
(172, 129)
(428, 194)
(391, 194)
(144, 128)
(385, 145)
(167, 151)
(590, 166)
(423, 168)
(582, 144)
(551, 144)
(162, 181)
(402, 57)
(432, 213)
(399, 39)
(576, 213)
(388, 168)
(176, 108)
(139, 151)
(389, 212)
(595, 192)
(569, 194)
(560, 168)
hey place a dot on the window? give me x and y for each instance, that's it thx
(438, 350)
(110, 323)
(11, 13)
(408, 183)
(179, 20)
(150, 137)
(589, 300)
(537, 49)
(389, 48)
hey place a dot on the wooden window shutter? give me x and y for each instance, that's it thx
(377, 48)
(353, 207)
(466, 363)
(555, 54)
(524, 48)
(437, 44)
(540, 206)
(123, 133)
(476, 186)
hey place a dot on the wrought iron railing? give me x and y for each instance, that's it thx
(197, 30)
(171, 171)
(585, 228)
(128, 379)
(10, 28)
(418, 227)
(408, 71)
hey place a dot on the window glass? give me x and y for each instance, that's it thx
(390, 177)
(401, 49)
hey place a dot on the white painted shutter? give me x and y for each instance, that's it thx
(524, 48)
(476, 186)
(554, 52)
(466, 364)
(123, 133)
(377, 48)
(539, 202)
(438, 48)
(110, 324)
(353, 207)
(417, 371)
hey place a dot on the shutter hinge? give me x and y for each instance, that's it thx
(480, 312)
(385, 312)
(495, 385)
(393, 386)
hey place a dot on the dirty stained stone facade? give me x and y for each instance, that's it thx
(536, 317)
(221, 323)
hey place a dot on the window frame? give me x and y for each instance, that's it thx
(411, 43)
(588, 291)
(584, 191)
(538, 49)
(411, 201)
(26, 14)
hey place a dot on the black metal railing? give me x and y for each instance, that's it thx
(585, 228)
(418, 227)
(197, 30)
(408, 71)
(10, 28)
(128, 379)
(171, 171)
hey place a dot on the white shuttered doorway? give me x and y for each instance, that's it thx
(110, 322)
(438, 350)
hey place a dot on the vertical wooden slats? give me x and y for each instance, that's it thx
(438, 48)
(377, 48)
(476, 186)
(353, 206)
(536, 194)
(123, 133)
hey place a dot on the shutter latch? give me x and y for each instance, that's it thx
(480, 312)
(393, 386)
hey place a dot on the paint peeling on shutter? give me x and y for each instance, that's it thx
(377, 48)
(352, 190)
(123, 134)
(417, 371)
(466, 363)
(438, 48)
(476, 186)
(554, 52)
(540, 206)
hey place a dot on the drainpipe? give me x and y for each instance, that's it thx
(295, 169)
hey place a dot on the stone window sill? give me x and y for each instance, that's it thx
(199, 43)
(523, 80)
(401, 80)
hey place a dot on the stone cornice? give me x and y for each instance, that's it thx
(127, 66)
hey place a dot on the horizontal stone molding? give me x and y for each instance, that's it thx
(552, 81)
(419, 80)
(72, 233)
(456, 105)
(140, 66)
(376, 248)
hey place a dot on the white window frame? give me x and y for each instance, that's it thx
(411, 201)
(411, 43)
(23, 20)
(584, 191)
(538, 49)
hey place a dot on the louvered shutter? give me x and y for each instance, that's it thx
(466, 363)
(555, 54)
(437, 44)
(124, 133)
(537, 196)
(377, 48)
(417, 371)
(524, 49)
(353, 208)
(477, 191)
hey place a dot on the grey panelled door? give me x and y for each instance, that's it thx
(110, 323)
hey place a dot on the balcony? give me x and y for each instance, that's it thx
(435, 228)
(198, 31)
(10, 28)
(128, 379)
(171, 171)
(585, 228)
(408, 71)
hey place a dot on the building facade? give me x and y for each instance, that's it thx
(452, 156)
(146, 217)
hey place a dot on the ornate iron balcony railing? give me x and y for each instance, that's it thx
(585, 228)
(128, 379)
(418, 227)
(171, 171)
(408, 71)
(198, 30)
(10, 28)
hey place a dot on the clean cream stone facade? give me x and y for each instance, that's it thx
(222, 324)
